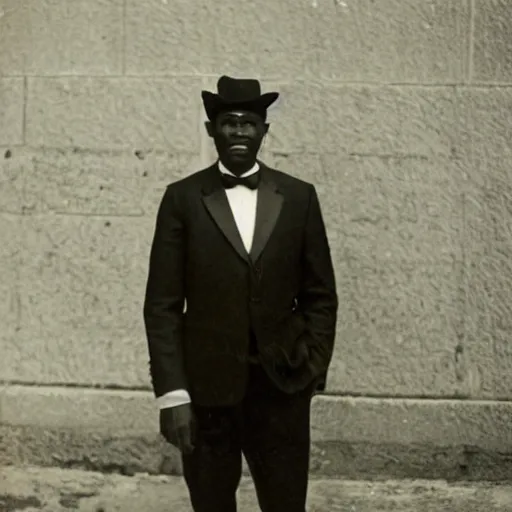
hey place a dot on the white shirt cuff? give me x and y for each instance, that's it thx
(173, 399)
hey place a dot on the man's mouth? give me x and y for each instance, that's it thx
(236, 148)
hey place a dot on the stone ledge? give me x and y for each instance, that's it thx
(116, 431)
(125, 412)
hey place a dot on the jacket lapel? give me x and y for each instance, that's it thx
(270, 202)
(216, 202)
(268, 208)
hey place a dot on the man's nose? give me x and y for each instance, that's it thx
(239, 129)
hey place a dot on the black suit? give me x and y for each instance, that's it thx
(272, 301)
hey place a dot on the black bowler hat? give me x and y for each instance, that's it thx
(243, 93)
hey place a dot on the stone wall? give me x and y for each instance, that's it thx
(398, 110)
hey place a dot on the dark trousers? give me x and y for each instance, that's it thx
(272, 430)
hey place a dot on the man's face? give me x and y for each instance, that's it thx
(238, 135)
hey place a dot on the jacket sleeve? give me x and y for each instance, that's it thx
(165, 300)
(317, 299)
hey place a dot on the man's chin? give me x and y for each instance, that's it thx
(239, 159)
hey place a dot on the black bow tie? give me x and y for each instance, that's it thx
(250, 182)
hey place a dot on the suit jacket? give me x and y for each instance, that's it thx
(205, 294)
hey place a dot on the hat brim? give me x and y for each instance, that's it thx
(213, 103)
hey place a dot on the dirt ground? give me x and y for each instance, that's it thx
(60, 490)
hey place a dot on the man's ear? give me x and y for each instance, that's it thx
(209, 128)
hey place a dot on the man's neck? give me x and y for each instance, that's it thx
(240, 171)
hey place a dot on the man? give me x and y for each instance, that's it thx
(240, 313)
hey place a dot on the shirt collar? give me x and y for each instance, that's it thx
(255, 168)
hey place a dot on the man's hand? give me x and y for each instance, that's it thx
(301, 355)
(178, 425)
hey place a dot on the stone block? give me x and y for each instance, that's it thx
(486, 283)
(90, 183)
(364, 120)
(399, 331)
(362, 41)
(492, 55)
(391, 40)
(11, 110)
(58, 37)
(213, 38)
(427, 422)
(114, 113)
(82, 284)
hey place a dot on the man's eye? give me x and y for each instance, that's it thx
(243, 124)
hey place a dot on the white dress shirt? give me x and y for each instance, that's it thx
(242, 201)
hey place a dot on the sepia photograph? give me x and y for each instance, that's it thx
(251, 255)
